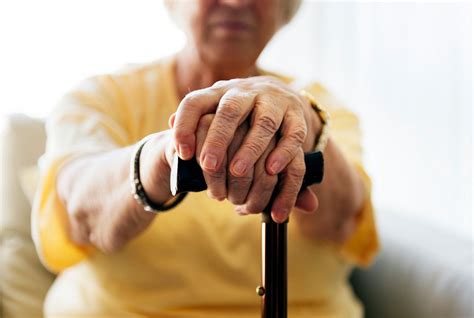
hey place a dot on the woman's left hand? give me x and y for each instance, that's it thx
(274, 108)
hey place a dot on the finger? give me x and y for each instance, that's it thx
(170, 149)
(265, 121)
(291, 180)
(171, 120)
(263, 185)
(216, 181)
(293, 134)
(189, 112)
(307, 201)
(234, 107)
(240, 209)
(238, 187)
(201, 133)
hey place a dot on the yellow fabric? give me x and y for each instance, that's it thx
(201, 259)
(363, 245)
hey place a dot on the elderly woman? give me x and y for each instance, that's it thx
(248, 129)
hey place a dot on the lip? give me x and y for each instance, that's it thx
(232, 25)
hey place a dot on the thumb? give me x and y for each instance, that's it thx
(307, 201)
(170, 150)
(171, 120)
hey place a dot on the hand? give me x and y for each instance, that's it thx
(155, 165)
(251, 192)
(95, 189)
(272, 106)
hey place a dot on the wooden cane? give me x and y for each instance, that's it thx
(186, 176)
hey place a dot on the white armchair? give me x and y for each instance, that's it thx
(421, 272)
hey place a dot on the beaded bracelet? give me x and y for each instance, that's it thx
(138, 190)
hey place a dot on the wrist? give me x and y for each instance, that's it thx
(321, 137)
(155, 169)
(314, 126)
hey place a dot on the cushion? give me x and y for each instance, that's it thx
(22, 141)
(422, 271)
(23, 280)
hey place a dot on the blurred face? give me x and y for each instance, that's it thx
(228, 33)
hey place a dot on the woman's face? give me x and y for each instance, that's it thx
(228, 33)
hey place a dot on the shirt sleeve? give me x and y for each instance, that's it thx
(84, 122)
(362, 246)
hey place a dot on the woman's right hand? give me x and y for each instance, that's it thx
(155, 166)
(250, 193)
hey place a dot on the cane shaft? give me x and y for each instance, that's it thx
(187, 176)
(274, 270)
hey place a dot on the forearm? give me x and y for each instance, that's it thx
(97, 194)
(341, 196)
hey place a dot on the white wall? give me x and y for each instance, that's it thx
(405, 68)
(47, 46)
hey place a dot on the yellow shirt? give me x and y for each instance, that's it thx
(199, 260)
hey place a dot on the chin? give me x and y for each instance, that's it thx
(232, 57)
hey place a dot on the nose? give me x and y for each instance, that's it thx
(236, 3)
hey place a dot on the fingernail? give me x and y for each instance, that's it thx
(241, 210)
(210, 162)
(240, 167)
(184, 151)
(275, 167)
(279, 215)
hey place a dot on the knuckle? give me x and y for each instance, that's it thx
(267, 123)
(295, 101)
(109, 246)
(254, 149)
(288, 151)
(255, 206)
(216, 177)
(80, 232)
(298, 135)
(216, 143)
(230, 109)
(77, 216)
(180, 135)
(297, 172)
(190, 99)
(108, 243)
(219, 84)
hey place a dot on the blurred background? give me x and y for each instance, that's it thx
(405, 68)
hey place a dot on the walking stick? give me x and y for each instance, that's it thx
(186, 176)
